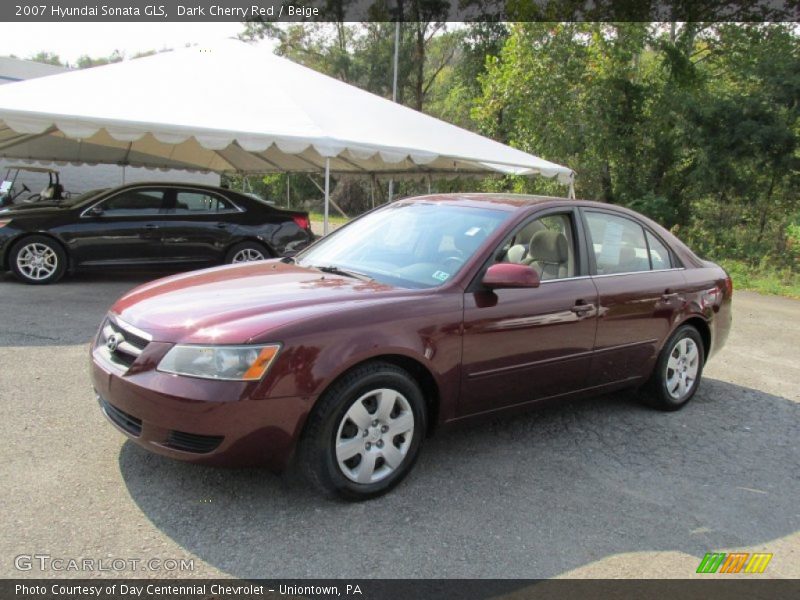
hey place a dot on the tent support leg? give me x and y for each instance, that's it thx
(372, 190)
(327, 193)
(572, 189)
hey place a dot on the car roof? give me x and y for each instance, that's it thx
(186, 184)
(501, 201)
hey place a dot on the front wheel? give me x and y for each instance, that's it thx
(678, 371)
(38, 260)
(364, 436)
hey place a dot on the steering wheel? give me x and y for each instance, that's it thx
(32, 198)
(455, 261)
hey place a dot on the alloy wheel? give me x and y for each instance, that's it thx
(247, 255)
(37, 261)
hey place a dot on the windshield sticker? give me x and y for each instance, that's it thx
(472, 231)
(441, 276)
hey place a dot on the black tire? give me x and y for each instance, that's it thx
(660, 391)
(54, 260)
(317, 458)
(246, 247)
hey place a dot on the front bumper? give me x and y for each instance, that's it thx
(199, 421)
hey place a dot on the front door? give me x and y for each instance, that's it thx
(120, 229)
(521, 345)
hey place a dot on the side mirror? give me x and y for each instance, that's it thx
(510, 275)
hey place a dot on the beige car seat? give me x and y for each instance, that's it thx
(548, 253)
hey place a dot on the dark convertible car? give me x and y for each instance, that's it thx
(146, 224)
(418, 315)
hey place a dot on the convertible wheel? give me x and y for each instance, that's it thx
(246, 252)
(38, 260)
(364, 435)
(678, 371)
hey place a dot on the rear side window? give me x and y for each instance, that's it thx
(659, 255)
(134, 203)
(619, 244)
(194, 203)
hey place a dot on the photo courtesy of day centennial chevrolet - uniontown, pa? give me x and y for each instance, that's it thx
(341, 360)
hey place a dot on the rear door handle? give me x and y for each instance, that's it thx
(222, 225)
(151, 226)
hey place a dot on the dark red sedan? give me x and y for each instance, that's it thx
(420, 314)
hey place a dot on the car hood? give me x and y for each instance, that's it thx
(33, 209)
(236, 303)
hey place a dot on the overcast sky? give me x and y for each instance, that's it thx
(72, 40)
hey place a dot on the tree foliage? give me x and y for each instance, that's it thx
(694, 124)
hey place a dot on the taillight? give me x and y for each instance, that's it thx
(301, 220)
(729, 286)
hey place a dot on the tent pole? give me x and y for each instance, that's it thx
(572, 188)
(429, 184)
(288, 200)
(394, 83)
(327, 193)
(372, 190)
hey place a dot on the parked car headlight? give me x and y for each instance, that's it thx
(239, 363)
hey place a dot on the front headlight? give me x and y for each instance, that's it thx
(239, 363)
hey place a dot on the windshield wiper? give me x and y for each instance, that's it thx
(333, 269)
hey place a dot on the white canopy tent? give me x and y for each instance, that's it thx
(240, 109)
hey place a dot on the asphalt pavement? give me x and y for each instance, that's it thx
(595, 488)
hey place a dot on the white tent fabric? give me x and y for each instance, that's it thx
(237, 108)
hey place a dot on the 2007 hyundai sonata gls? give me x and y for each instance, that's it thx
(423, 313)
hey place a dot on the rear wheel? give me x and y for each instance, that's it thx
(678, 371)
(38, 260)
(246, 252)
(364, 436)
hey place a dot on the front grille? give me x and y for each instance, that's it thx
(192, 442)
(125, 421)
(128, 343)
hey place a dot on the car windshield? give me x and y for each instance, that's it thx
(79, 199)
(416, 245)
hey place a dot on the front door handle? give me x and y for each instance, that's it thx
(582, 309)
(222, 225)
(151, 226)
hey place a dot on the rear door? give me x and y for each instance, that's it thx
(641, 291)
(521, 345)
(198, 226)
(122, 228)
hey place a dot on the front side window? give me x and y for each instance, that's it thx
(134, 203)
(408, 245)
(619, 244)
(193, 203)
(547, 244)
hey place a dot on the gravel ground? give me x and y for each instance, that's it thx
(596, 488)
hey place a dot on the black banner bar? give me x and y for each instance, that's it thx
(390, 10)
(745, 588)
